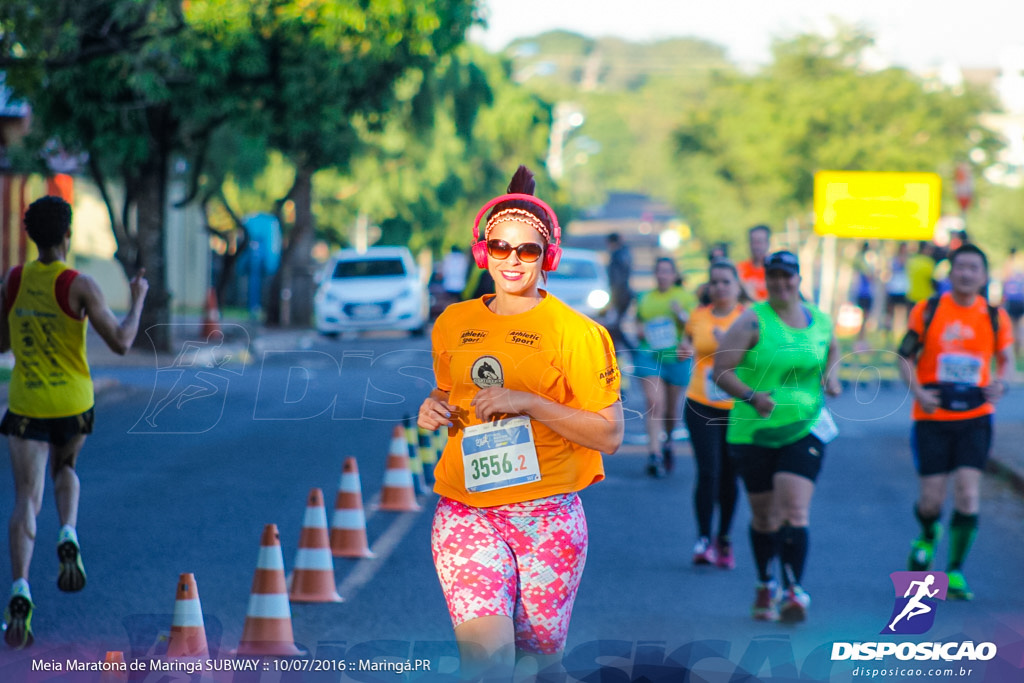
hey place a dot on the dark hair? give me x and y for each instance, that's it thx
(523, 183)
(614, 237)
(760, 226)
(47, 221)
(666, 259)
(968, 248)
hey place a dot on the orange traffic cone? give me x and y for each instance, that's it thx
(313, 579)
(268, 620)
(115, 669)
(211, 314)
(397, 494)
(348, 526)
(188, 634)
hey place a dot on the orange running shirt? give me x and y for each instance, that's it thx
(550, 350)
(705, 329)
(752, 277)
(959, 344)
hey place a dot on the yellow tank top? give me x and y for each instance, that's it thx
(51, 373)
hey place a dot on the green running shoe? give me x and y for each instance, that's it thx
(958, 589)
(922, 550)
(72, 571)
(18, 622)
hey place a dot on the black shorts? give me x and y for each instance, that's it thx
(55, 430)
(864, 303)
(941, 446)
(893, 300)
(758, 464)
(1015, 309)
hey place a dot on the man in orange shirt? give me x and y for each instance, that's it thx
(752, 271)
(951, 341)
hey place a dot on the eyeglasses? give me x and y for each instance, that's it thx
(528, 252)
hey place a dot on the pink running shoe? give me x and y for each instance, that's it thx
(704, 552)
(725, 560)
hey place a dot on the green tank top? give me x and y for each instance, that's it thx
(789, 363)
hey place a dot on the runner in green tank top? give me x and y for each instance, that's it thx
(778, 360)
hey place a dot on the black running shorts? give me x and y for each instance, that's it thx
(941, 446)
(758, 464)
(57, 430)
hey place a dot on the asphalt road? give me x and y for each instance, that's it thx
(193, 456)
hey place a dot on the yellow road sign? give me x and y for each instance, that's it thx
(876, 205)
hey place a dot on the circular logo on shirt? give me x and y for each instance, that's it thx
(487, 372)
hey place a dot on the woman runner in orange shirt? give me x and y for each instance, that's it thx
(529, 391)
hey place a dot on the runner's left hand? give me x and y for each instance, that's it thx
(496, 402)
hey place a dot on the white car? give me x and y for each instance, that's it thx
(581, 281)
(379, 289)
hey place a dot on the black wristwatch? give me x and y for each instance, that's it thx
(747, 396)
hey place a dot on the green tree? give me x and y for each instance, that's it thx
(749, 150)
(328, 69)
(117, 81)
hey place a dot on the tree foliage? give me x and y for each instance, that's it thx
(749, 150)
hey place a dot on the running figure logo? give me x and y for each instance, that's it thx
(189, 394)
(914, 612)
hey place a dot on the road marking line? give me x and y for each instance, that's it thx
(366, 569)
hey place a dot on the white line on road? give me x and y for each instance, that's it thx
(366, 569)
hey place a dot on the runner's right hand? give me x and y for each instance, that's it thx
(434, 414)
(139, 285)
(927, 398)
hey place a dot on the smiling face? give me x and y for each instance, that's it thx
(968, 274)
(513, 276)
(782, 286)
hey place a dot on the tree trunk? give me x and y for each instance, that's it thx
(150, 203)
(291, 303)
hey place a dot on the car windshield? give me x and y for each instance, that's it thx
(368, 268)
(576, 269)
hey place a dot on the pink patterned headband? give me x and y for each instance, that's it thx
(515, 214)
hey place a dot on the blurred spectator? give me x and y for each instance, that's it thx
(864, 286)
(896, 287)
(1013, 294)
(453, 272)
(921, 273)
(751, 271)
(620, 267)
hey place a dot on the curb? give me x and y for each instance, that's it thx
(1013, 474)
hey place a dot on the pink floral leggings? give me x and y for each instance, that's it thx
(522, 560)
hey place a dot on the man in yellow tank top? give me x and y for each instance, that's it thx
(46, 308)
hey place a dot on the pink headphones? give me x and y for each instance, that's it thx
(552, 253)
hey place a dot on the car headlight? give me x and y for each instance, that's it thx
(598, 299)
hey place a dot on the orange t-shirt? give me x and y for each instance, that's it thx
(958, 347)
(705, 329)
(550, 350)
(753, 279)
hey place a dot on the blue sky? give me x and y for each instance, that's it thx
(914, 33)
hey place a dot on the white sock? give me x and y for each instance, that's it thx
(67, 532)
(20, 587)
